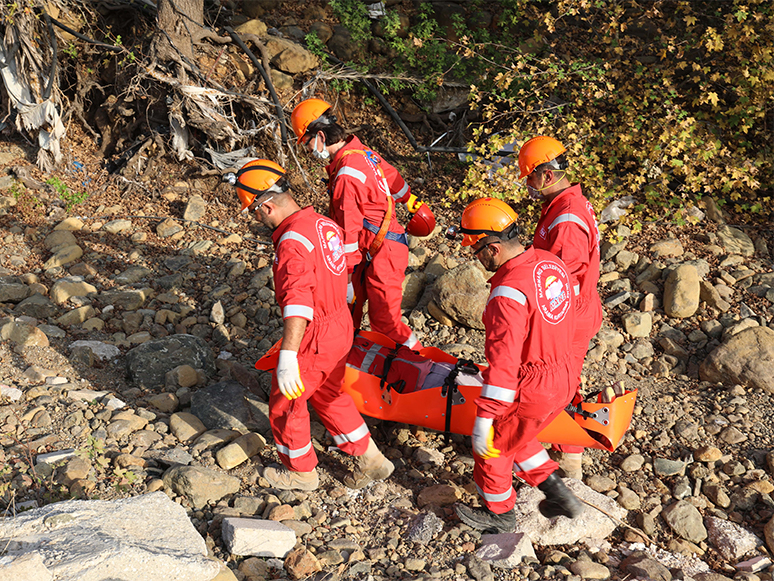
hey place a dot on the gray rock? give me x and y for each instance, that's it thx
(25, 567)
(644, 567)
(478, 569)
(424, 528)
(462, 293)
(747, 358)
(117, 226)
(132, 275)
(638, 324)
(148, 364)
(65, 288)
(200, 485)
(731, 540)
(195, 208)
(413, 287)
(37, 306)
(85, 540)
(257, 537)
(290, 57)
(167, 228)
(229, 406)
(681, 292)
(685, 520)
(710, 295)
(505, 551)
(735, 241)
(589, 569)
(591, 524)
(632, 463)
(63, 256)
(13, 292)
(669, 247)
(665, 467)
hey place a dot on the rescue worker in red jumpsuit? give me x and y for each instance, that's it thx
(363, 190)
(529, 320)
(568, 229)
(310, 280)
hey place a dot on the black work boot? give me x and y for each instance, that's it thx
(559, 501)
(483, 519)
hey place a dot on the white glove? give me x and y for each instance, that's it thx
(350, 293)
(289, 374)
(483, 439)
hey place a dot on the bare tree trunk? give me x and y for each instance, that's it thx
(180, 25)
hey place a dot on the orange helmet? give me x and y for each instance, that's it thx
(536, 151)
(305, 113)
(486, 217)
(255, 178)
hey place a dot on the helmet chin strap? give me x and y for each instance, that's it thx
(536, 193)
(323, 155)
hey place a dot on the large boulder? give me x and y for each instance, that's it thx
(591, 524)
(462, 294)
(93, 540)
(148, 364)
(747, 358)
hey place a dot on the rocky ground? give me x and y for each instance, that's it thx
(130, 326)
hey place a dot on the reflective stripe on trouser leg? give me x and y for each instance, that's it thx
(517, 438)
(384, 290)
(338, 413)
(494, 482)
(290, 427)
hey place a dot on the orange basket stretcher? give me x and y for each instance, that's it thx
(589, 424)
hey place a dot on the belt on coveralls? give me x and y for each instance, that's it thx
(394, 236)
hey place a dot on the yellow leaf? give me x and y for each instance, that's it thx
(690, 20)
(713, 98)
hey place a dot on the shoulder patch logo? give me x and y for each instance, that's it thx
(552, 291)
(332, 246)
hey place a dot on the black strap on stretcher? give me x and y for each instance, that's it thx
(450, 388)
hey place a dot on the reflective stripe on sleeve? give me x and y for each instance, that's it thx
(297, 237)
(576, 288)
(569, 218)
(533, 462)
(411, 341)
(495, 496)
(508, 292)
(352, 172)
(297, 453)
(351, 247)
(402, 192)
(353, 436)
(498, 393)
(298, 311)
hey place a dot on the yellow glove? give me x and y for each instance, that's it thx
(413, 204)
(483, 439)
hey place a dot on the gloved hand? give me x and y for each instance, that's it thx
(483, 439)
(350, 293)
(289, 374)
(413, 203)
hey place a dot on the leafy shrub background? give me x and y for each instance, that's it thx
(668, 101)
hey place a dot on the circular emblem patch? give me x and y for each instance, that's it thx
(552, 290)
(332, 246)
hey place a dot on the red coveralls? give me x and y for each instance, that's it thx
(310, 281)
(359, 202)
(568, 229)
(529, 321)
